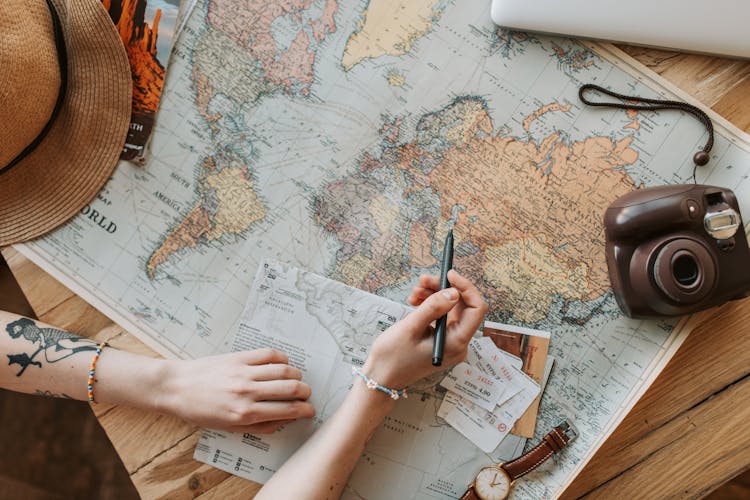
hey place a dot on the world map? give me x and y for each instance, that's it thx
(399, 193)
(239, 58)
(346, 138)
(458, 169)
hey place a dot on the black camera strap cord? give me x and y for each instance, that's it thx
(700, 158)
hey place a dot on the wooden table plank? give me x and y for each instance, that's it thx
(684, 428)
(704, 368)
(706, 78)
(668, 471)
(143, 436)
(735, 105)
(233, 488)
(41, 290)
(176, 475)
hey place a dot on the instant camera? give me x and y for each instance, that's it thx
(674, 250)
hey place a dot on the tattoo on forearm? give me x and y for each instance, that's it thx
(55, 344)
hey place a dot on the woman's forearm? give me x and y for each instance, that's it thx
(49, 361)
(399, 357)
(251, 391)
(42, 359)
(334, 449)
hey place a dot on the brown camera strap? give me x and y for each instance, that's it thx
(629, 102)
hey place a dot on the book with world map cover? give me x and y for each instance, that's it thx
(147, 29)
(342, 138)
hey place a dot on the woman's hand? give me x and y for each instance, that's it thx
(250, 391)
(399, 356)
(403, 354)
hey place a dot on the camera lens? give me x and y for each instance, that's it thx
(685, 270)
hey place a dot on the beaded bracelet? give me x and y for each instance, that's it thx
(92, 369)
(371, 384)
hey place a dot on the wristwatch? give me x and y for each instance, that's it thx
(493, 483)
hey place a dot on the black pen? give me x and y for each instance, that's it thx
(439, 340)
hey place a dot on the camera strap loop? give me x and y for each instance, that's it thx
(700, 158)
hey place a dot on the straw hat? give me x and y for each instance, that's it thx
(64, 111)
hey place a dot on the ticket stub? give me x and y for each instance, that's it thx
(475, 386)
(532, 346)
(483, 350)
(487, 429)
(512, 409)
(512, 445)
(490, 360)
(474, 423)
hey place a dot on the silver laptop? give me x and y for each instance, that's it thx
(706, 26)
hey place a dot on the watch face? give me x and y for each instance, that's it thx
(492, 483)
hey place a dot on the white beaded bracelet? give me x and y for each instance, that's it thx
(371, 384)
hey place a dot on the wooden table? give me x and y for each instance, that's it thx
(686, 436)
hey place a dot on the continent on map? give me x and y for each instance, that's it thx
(526, 214)
(236, 61)
(251, 28)
(229, 205)
(391, 130)
(390, 28)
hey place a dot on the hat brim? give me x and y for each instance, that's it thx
(77, 156)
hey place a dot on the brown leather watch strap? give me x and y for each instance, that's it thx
(470, 494)
(552, 443)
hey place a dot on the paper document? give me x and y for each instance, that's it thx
(468, 412)
(484, 354)
(473, 385)
(531, 346)
(325, 327)
(513, 446)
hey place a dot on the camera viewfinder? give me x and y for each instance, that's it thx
(723, 224)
